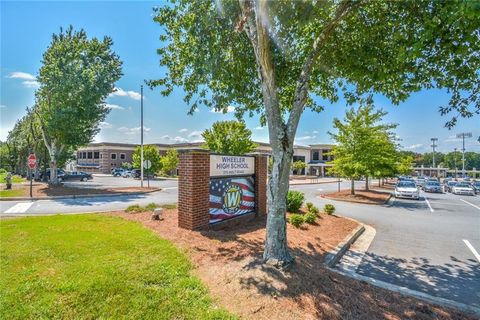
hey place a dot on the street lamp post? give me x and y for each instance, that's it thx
(434, 145)
(141, 136)
(464, 135)
(455, 161)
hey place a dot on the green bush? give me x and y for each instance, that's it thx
(313, 209)
(151, 206)
(134, 208)
(296, 220)
(3, 171)
(310, 217)
(329, 208)
(309, 206)
(294, 201)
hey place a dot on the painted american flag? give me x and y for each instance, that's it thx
(218, 188)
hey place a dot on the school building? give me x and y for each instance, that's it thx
(102, 157)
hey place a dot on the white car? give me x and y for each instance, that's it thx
(407, 189)
(463, 188)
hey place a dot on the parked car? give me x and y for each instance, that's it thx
(117, 172)
(450, 185)
(476, 186)
(463, 188)
(407, 189)
(60, 174)
(76, 175)
(433, 186)
(420, 182)
(127, 174)
(136, 173)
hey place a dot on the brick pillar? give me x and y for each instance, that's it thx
(193, 188)
(261, 173)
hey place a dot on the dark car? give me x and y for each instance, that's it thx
(117, 172)
(450, 185)
(432, 186)
(76, 175)
(476, 186)
(60, 174)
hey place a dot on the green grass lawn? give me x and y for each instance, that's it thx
(95, 266)
(11, 193)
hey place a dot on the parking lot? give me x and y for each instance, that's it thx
(429, 245)
(107, 181)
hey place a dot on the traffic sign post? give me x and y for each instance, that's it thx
(147, 164)
(32, 164)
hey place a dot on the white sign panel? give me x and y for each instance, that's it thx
(231, 166)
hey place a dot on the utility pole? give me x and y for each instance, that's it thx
(464, 135)
(434, 145)
(141, 137)
(455, 161)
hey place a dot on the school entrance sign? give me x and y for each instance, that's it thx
(218, 189)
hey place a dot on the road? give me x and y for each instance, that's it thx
(427, 245)
(419, 244)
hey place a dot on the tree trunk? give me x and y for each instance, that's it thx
(379, 182)
(366, 183)
(276, 249)
(352, 186)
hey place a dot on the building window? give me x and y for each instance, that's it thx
(79, 155)
(113, 156)
(298, 158)
(316, 155)
(122, 156)
(325, 156)
(96, 155)
(101, 155)
(89, 155)
(84, 155)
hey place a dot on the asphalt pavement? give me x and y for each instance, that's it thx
(430, 245)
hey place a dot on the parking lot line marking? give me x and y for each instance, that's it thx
(469, 246)
(428, 203)
(21, 207)
(470, 204)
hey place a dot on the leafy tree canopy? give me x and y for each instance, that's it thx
(229, 137)
(169, 161)
(150, 152)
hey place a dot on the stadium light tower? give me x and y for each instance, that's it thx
(463, 135)
(434, 145)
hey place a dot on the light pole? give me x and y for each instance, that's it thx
(464, 135)
(455, 161)
(434, 141)
(141, 136)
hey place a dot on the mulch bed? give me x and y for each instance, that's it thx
(360, 196)
(40, 190)
(229, 262)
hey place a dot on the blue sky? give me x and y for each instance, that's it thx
(26, 29)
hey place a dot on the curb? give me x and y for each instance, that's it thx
(322, 196)
(93, 195)
(304, 183)
(411, 293)
(336, 254)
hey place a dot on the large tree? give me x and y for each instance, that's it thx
(151, 153)
(364, 145)
(277, 58)
(76, 77)
(229, 137)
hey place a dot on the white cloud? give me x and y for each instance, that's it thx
(22, 75)
(305, 138)
(183, 130)
(2, 106)
(194, 134)
(230, 109)
(259, 128)
(134, 130)
(179, 140)
(113, 106)
(119, 92)
(415, 146)
(31, 84)
(314, 131)
(176, 139)
(105, 125)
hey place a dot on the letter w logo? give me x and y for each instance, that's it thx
(232, 199)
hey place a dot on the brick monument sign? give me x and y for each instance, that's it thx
(216, 190)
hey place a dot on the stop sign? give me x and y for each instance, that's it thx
(32, 161)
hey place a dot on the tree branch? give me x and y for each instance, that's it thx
(301, 90)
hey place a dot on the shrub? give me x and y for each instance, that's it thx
(169, 206)
(134, 208)
(151, 206)
(296, 220)
(309, 206)
(313, 210)
(329, 208)
(310, 217)
(294, 201)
